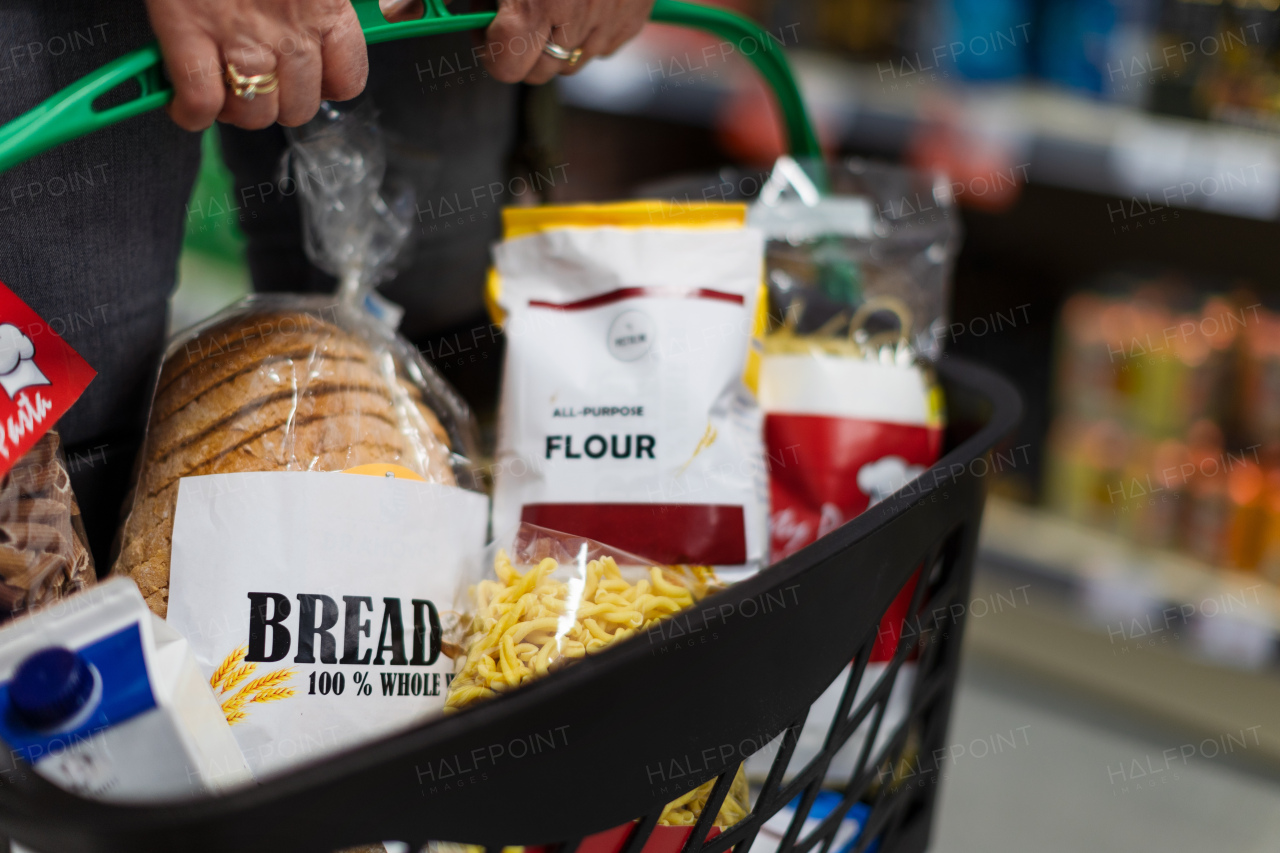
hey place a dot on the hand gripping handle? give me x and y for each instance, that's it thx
(70, 114)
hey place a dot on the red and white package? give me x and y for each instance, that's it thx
(841, 435)
(41, 376)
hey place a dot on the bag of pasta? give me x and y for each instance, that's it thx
(554, 598)
(858, 281)
(44, 556)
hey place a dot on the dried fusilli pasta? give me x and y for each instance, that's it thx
(525, 625)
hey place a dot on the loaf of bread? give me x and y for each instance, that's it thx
(43, 556)
(271, 390)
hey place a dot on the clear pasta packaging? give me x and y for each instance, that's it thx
(877, 236)
(552, 598)
(44, 556)
(858, 279)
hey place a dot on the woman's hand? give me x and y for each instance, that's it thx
(314, 47)
(512, 49)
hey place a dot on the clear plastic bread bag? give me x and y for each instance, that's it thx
(282, 382)
(551, 599)
(44, 556)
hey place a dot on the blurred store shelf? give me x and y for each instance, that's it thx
(1156, 632)
(1046, 135)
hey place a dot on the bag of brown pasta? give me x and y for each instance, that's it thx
(553, 598)
(43, 552)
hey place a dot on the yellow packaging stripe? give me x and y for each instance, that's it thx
(645, 213)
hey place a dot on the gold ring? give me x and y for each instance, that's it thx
(247, 87)
(575, 57)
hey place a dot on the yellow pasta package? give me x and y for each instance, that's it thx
(554, 598)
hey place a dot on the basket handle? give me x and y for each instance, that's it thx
(70, 114)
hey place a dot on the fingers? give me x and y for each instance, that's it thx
(315, 48)
(568, 36)
(401, 10)
(261, 110)
(592, 47)
(512, 50)
(345, 59)
(300, 83)
(198, 90)
(546, 66)
(513, 42)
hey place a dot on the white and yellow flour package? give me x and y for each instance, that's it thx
(628, 413)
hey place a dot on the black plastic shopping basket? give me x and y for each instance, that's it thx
(574, 755)
(594, 733)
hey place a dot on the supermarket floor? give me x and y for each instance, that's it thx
(1085, 775)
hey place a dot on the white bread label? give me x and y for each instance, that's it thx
(315, 602)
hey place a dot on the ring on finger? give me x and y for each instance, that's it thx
(553, 49)
(562, 53)
(248, 86)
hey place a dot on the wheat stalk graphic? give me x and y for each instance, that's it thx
(229, 664)
(232, 672)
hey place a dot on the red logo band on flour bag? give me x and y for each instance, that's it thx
(626, 411)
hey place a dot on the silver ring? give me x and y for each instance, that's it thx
(553, 49)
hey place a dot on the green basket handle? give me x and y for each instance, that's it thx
(70, 114)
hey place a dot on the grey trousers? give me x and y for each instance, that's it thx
(90, 231)
(90, 234)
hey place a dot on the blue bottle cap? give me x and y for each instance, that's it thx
(51, 687)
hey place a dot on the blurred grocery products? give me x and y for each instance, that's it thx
(1212, 59)
(1167, 422)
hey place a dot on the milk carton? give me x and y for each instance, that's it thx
(104, 699)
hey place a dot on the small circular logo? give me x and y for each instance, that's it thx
(631, 335)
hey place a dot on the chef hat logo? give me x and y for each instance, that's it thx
(886, 475)
(17, 370)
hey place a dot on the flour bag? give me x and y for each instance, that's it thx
(628, 412)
